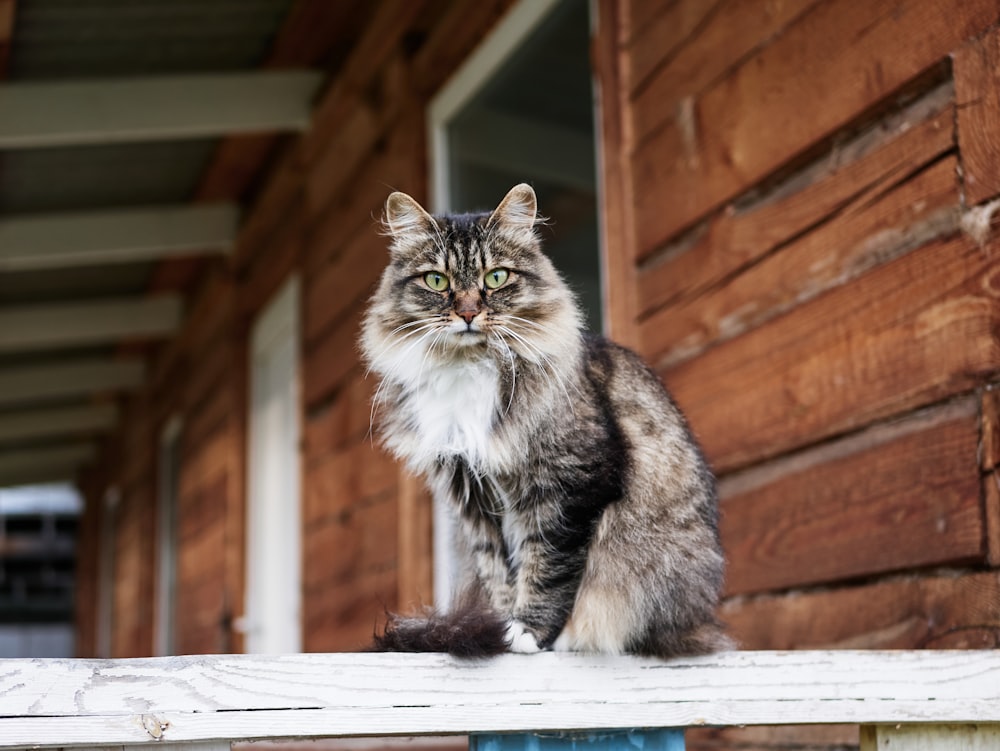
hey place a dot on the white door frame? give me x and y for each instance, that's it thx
(272, 622)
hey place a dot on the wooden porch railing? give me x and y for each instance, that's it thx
(548, 702)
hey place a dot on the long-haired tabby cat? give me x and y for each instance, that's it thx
(587, 510)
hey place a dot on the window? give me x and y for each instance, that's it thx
(521, 109)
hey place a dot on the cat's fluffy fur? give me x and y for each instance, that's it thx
(586, 507)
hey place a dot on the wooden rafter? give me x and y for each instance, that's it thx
(37, 327)
(40, 383)
(134, 109)
(125, 235)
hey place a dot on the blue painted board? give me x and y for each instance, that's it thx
(630, 740)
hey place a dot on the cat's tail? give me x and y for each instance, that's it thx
(470, 629)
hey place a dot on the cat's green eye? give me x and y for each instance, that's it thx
(437, 282)
(496, 278)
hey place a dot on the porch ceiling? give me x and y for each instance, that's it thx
(113, 117)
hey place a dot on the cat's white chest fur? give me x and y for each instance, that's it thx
(452, 412)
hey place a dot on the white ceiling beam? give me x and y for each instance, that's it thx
(58, 421)
(35, 327)
(74, 239)
(32, 384)
(51, 464)
(84, 112)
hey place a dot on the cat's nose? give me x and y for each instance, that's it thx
(467, 306)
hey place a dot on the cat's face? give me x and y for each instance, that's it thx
(468, 286)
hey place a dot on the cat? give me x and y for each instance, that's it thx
(587, 511)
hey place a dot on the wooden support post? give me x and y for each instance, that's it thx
(929, 737)
(631, 740)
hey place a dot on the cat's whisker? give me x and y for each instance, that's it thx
(548, 368)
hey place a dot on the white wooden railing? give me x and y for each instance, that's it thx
(927, 699)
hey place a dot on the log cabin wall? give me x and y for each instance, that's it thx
(806, 194)
(800, 200)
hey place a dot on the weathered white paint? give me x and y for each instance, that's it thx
(33, 383)
(41, 241)
(46, 114)
(33, 327)
(50, 703)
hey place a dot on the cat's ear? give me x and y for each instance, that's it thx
(518, 209)
(405, 217)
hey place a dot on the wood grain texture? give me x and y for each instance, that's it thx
(880, 224)
(906, 334)
(867, 164)
(894, 497)
(990, 453)
(47, 703)
(991, 501)
(948, 610)
(616, 204)
(837, 61)
(693, 44)
(977, 82)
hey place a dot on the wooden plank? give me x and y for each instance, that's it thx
(346, 281)
(737, 237)
(329, 695)
(379, 40)
(327, 364)
(57, 421)
(339, 481)
(341, 423)
(33, 327)
(991, 428)
(340, 550)
(832, 65)
(991, 501)
(33, 383)
(906, 334)
(893, 497)
(879, 225)
(342, 617)
(941, 737)
(142, 109)
(694, 44)
(415, 536)
(977, 80)
(950, 610)
(614, 193)
(45, 241)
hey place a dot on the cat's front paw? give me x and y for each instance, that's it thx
(520, 639)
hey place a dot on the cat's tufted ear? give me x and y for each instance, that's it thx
(518, 209)
(405, 217)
